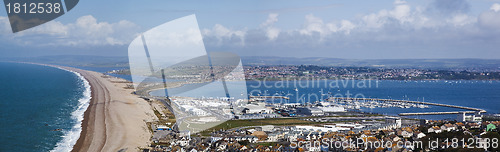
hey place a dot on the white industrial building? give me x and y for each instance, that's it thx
(476, 117)
(332, 109)
(256, 108)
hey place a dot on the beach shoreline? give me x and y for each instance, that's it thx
(115, 119)
(79, 145)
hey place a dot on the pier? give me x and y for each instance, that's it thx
(470, 109)
(435, 113)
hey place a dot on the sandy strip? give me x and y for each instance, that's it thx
(115, 119)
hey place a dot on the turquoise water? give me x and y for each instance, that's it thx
(41, 107)
(478, 94)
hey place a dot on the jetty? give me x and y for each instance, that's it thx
(470, 109)
(435, 113)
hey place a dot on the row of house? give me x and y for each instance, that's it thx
(452, 127)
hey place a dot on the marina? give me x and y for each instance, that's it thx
(414, 103)
(435, 113)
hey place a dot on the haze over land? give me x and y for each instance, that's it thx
(434, 29)
(122, 62)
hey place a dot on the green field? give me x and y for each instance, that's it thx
(271, 121)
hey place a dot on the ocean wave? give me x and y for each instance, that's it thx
(71, 136)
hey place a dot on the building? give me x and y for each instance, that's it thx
(310, 111)
(314, 128)
(448, 127)
(256, 108)
(256, 116)
(198, 112)
(394, 120)
(162, 127)
(460, 125)
(474, 125)
(406, 134)
(476, 117)
(332, 109)
(267, 128)
(435, 129)
(420, 135)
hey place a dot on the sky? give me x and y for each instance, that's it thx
(350, 29)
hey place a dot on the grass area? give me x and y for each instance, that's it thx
(148, 124)
(157, 113)
(260, 122)
(273, 121)
(255, 122)
(167, 118)
(267, 144)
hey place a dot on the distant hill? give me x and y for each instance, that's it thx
(389, 63)
(122, 61)
(77, 60)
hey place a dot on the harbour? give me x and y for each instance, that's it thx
(474, 110)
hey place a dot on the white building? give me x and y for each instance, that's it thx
(267, 128)
(313, 128)
(331, 109)
(421, 135)
(198, 112)
(256, 108)
(476, 117)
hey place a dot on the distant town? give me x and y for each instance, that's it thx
(312, 71)
(281, 72)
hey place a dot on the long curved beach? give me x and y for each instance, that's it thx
(115, 119)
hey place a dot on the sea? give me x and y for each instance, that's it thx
(41, 107)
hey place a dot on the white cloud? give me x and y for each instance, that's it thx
(271, 32)
(403, 27)
(495, 7)
(461, 20)
(401, 13)
(490, 19)
(313, 24)
(399, 2)
(394, 29)
(346, 26)
(401, 23)
(222, 33)
(85, 31)
(88, 30)
(271, 19)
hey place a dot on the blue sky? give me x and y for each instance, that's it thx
(351, 29)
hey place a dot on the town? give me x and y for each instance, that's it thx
(330, 125)
(330, 72)
(280, 72)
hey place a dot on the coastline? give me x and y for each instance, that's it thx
(79, 145)
(70, 138)
(115, 119)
